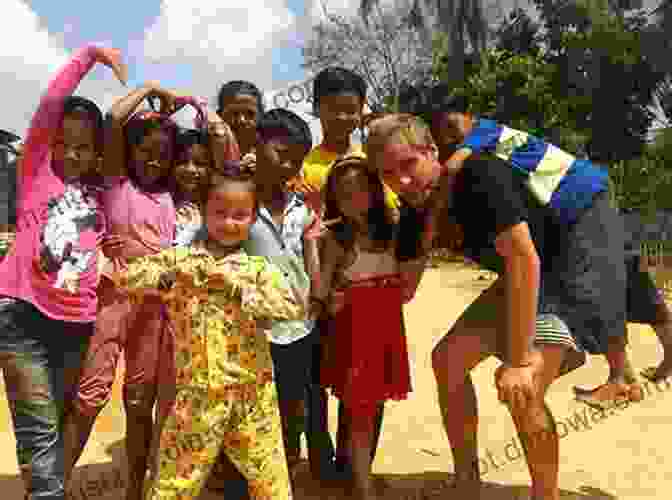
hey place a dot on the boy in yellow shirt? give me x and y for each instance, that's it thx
(339, 99)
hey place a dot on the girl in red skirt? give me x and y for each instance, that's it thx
(366, 360)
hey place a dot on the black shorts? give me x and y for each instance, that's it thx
(643, 298)
(293, 367)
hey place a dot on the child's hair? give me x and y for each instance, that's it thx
(401, 127)
(188, 137)
(230, 171)
(424, 101)
(75, 105)
(239, 87)
(334, 80)
(283, 123)
(143, 122)
(381, 222)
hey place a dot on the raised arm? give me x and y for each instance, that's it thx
(115, 143)
(49, 114)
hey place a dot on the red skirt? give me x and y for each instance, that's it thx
(367, 357)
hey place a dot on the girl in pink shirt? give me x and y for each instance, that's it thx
(48, 279)
(140, 214)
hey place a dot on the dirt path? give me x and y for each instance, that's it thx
(620, 454)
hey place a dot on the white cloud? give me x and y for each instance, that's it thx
(29, 56)
(25, 66)
(220, 41)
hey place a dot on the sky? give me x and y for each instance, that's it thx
(193, 45)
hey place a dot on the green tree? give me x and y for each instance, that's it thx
(521, 91)
(552, 78)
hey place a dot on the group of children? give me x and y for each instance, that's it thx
(202, 255)
(235, 265)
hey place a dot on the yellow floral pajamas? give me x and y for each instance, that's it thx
(225, 395)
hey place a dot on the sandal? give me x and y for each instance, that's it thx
(606, 395)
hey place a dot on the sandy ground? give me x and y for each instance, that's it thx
(619, 454)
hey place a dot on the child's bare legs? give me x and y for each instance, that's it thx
(76, 432)
(139, 433)
(622, 382)
(146, 333)
(343, 431)
(663, 329)
(359, 444)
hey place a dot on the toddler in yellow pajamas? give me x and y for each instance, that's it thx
(225, 394)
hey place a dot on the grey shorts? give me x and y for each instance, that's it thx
(584, 283)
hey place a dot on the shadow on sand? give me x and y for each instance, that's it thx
(106, 481)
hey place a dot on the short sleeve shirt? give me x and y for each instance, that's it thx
(489, 199)
(283, 245)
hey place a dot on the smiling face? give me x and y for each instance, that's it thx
(192, 167)
(340, 115)
(352, 192)
(75, 146)
(240, 112)
(278, 161)
(409, 170)
(152, 158)
(230, 211)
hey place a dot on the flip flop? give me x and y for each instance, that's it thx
(606, 395)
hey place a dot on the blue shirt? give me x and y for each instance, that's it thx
(555, 178)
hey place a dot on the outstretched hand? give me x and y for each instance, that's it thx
(112, 59)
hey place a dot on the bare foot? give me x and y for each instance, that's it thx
(606, 395)
(662, 372)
